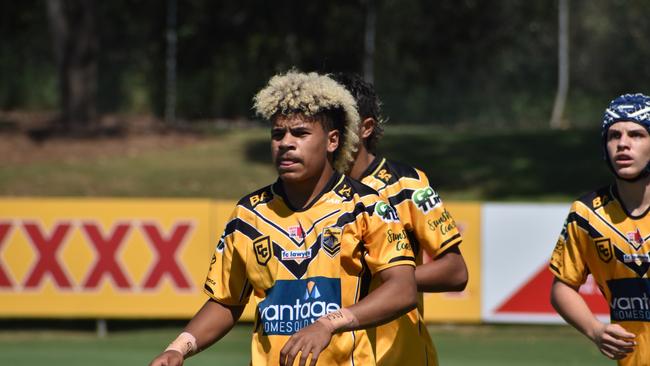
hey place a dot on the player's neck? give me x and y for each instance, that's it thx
(301, 194)
(361, 163)
(635, 196)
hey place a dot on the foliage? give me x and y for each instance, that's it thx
(468, 63)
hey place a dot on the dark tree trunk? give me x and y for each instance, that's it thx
(74, 36)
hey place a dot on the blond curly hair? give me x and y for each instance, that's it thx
(310, 94)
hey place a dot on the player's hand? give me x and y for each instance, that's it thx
(614, 341)
(309, 340)
(168, 358)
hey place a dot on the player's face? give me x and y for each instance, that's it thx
(300, 147)
(628, 146)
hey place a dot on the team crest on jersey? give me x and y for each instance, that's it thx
(605, 249)
(296, 232)
(635, 239)
(263, 250)
(386, 212)
(331, 240)
(426, 199)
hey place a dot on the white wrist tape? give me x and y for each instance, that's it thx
(185, 343)
(342, 320)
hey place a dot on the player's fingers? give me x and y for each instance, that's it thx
(617, 342)
(304, 355)
(314, 357)
(290, 354)
(617, 331)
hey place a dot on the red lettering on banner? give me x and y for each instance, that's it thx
(47, 249)
(106, 249)
(166, 250)
(4, 279)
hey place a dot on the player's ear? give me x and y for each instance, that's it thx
(367, 128)
(333, 140)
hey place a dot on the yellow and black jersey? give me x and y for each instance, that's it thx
(600, 237)
(302, 264)
(430, 228)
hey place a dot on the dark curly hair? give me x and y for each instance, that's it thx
(368, 104)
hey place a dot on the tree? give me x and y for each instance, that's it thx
(74, 39)
(563, 67)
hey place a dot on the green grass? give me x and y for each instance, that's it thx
(457, 346)
(471, 165)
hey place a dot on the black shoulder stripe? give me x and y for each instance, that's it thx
(349, 217)
(400, 197)
(584, 225)
(243, 227)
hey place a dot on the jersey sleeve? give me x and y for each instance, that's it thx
(424, 215)
(386, 242)
(568, 260)
(227, 280)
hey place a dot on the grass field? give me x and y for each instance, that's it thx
(469, 165)
(457, 346)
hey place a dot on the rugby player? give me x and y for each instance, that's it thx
(607, 234)
(428, 225)
(307, 246)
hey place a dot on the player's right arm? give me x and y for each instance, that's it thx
(227, 286)
(211, 323)
(570, 269)
(611, 339)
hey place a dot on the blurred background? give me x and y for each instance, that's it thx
(134, 104)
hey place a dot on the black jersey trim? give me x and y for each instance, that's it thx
(450, 240)
(584, 225)
(243, 227)
(614, 191)
(278, 187)
(640, 270)
(402, 258)
(403, 195)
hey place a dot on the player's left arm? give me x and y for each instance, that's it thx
(447, 272)
(435, 230)
(395, 296)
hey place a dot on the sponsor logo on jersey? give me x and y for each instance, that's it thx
(296, 255)
(296, 232)
(445, 223)
(291, 305)
(426, 199)
(386, 212)
(259, 198)
(345, 191)
(635, 239)
(604, 249)
(331, 240)
(638, 259)
(384, 175)
(630, 299)
(263, 250)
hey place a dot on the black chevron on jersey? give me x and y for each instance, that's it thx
(640, 270)
(297, 269)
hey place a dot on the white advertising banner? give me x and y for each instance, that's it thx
(517, 241)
